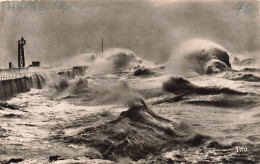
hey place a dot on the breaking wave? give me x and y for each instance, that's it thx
(181, 86)
(200, 57)
(134, 134)
(81, 92)
(110, 61)
(189, 93)
(115, 60)
(63, 87)
(121, 59)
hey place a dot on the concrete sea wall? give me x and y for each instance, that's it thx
(11, 87)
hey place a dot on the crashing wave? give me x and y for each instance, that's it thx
(121, 59)
(181, 86)
(63, 87)
(208, 96)
(136, 133)
(200, 56)
(110, 61)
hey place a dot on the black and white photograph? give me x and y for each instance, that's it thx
(129, 81)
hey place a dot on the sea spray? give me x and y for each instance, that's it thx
(63, 87)
(120, 94)
(111, 60)
(114, 60)
(81, 59)
(136, 133)
(198, 56)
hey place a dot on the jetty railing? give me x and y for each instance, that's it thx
(10, 76)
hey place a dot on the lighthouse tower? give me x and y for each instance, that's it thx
(21, 61)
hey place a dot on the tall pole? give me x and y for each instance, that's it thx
(102, 47)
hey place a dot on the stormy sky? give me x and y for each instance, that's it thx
(152, 29)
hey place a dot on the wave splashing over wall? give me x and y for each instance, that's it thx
(63, 87)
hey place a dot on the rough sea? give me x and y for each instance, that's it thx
(202, 106)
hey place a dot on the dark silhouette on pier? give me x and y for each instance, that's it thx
(21, 60)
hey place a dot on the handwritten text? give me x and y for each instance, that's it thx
(59, 6)
(240, 7)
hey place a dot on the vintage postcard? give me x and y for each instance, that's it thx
(129, 81)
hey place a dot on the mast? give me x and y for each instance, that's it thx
(102, 47)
